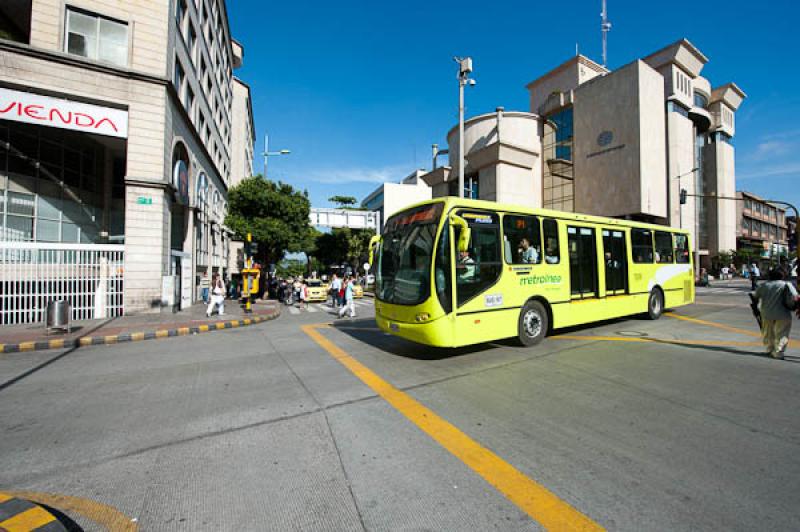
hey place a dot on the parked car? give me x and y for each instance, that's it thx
(316, 290)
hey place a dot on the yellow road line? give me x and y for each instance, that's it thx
(793, 343)
(653, 340)
(5, 497)
(27, 520)
(530, 496)
(104, 515)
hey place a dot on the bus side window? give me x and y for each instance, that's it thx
(663, 247)
(551, 249)
(642, 246)
(681, 249)
(521, 239)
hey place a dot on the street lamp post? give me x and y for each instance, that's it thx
(464, 70)
(681, 197)
(268, 153)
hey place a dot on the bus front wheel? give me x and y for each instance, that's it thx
(655, 304)
(533, 323)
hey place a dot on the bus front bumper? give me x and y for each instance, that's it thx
(436, 333)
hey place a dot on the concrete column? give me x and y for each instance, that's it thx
(147, 226)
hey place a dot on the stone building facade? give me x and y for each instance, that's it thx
(159, 186)
(619, 143)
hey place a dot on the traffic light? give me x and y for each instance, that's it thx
(683, 196)
(251, 248)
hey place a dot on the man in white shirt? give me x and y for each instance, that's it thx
(528, 253)
(336, 285)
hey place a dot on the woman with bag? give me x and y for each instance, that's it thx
(217, 296)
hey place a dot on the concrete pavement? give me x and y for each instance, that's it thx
(262, 429)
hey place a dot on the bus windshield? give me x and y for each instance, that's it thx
(404, 256)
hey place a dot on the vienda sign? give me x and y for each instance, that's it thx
(55, 112)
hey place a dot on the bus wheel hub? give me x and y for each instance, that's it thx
(533, 323)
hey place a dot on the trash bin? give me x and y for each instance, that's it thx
(57, 315)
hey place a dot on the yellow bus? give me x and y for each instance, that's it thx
(452, 272)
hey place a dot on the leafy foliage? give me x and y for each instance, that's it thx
(343, 201)
(290, 268)
(345, 245)
(275, 213)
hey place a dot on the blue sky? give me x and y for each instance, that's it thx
(359, 91)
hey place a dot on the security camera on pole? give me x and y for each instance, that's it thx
(464, 70)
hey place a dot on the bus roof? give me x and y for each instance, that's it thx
(453, 202)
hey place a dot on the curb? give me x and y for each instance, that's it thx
(20, 514)
(135, 336)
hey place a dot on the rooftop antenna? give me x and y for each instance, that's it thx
(605, 27)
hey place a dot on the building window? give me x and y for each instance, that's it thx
(180, 76)
(180, 14)
(558, 172)
(700, 100)
(675, 107)
(96, 37)
(190, 102)
(192, 44)
(745, 224)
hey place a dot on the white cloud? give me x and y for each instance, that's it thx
(391, 174)
(771, 171)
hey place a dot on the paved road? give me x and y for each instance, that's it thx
(638, 425)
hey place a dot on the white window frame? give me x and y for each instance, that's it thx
(98, 17)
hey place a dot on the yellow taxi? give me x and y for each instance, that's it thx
(316, 290)
(358, 291)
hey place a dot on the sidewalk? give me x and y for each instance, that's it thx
(30, 337)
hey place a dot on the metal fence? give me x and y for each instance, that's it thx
(89, 276)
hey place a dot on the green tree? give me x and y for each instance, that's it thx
(275, 213)
(343, 201)
(290, 268)
(343, 245)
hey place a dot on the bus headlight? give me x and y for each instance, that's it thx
(422, 316)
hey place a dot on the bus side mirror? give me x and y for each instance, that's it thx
(373, 243)
(466, 232)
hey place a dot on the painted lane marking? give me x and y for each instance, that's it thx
(28, 520)
(294, 310)
(104, 515)
(530, 496)
(653, 340)
(311, 309)
(792, 343)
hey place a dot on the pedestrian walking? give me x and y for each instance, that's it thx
(755, 273)
(349, 302)
(336, 286)
(776, 300)
(205, 284)
(303, 294)
(217, 296)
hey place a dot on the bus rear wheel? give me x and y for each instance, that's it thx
(655, 304)
(533, 324)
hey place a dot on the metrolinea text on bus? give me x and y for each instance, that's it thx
(65, 114)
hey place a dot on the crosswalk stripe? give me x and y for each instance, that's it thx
(311, 309)
(294, 310)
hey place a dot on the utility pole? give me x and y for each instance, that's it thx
(605, 27)
(464, 70)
